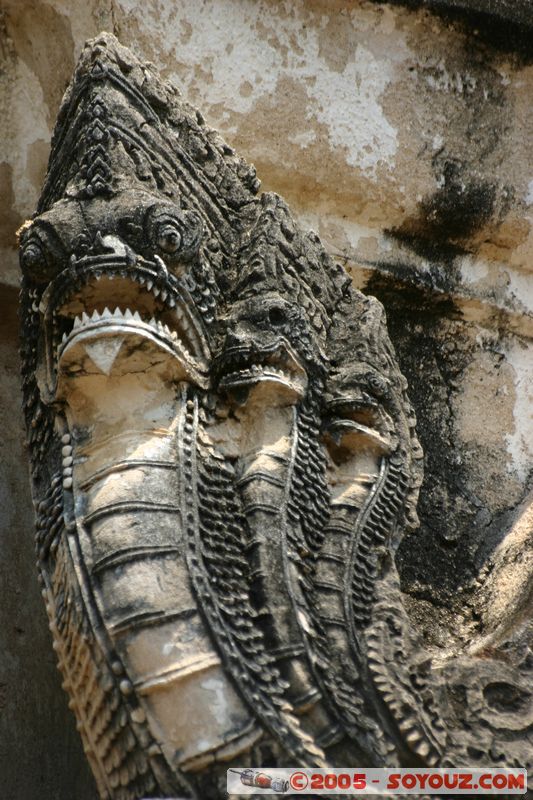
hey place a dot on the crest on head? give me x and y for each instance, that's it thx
(222, 447)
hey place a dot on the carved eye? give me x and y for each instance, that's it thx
(36, 261)
(173, 233)
(168, 238)
(377, 384)
(276, 316)
(34, 256)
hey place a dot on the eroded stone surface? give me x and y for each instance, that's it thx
(426, 84)
(224, 464)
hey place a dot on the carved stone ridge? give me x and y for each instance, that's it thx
(224, 461)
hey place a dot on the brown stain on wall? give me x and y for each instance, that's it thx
(303, 175)
(42, 38)
(453, 111)
(337, 42)
(36, 161)
(511, 234)
(10, 220)
(488, 393)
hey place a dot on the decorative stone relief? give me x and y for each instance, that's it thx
(224, 461)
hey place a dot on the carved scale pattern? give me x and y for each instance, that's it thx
(115, 740)
(218, 570)
(164, 305)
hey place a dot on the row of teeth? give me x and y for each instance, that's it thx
(127, 315)
(163, 294)
(257, 370)
(148, 282)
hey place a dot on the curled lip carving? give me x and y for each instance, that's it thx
(261, 346)
(243, 366)
(107, 296)
(356, 420)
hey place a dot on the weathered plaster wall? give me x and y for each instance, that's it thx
(405, 141)
(40, 751)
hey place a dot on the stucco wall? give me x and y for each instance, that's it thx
(405, 141)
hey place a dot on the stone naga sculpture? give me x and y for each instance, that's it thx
(223, 462)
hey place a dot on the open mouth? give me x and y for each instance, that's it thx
(354, 423)
(243, 367)
(99, 302)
